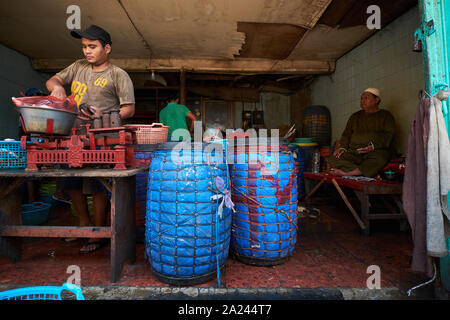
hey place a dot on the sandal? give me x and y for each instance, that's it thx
(314, 213)
(92, 246)
(61, 197)
(303, 212)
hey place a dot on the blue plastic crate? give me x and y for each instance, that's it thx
(35, 213)
(11, 156)
(42, 293)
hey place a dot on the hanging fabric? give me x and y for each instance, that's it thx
(438, 179)
(414, 195)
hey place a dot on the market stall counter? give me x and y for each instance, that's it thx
(122, 231)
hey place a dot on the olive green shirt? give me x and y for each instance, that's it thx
(364, 128)
(106, 90)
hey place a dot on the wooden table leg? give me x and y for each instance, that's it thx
(344, 197)
(13, 185)
(315, 188)
(365, 207)
(10, 214)
(404, 223)
(123, 224)
(105, 183)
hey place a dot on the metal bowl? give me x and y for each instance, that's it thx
(42, 119)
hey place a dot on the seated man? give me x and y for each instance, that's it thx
(365, 144)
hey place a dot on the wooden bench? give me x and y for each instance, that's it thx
(363, 190)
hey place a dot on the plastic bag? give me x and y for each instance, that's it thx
(68, 104)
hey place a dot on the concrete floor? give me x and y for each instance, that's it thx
(330, 262)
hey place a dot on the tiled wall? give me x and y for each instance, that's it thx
(276, 109)
(16, 76)
(385, 61)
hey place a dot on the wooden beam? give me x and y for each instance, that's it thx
(204, 65)
(276, 89)
(106, 183)
(183, 87)
(15, 184)
(210, 77)
(56, 232)
(225, 93)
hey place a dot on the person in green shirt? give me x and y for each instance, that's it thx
(365, 145)
(174, 115)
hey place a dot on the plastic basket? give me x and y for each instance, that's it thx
(47, 187)
(89, 204)
(43, 293)
(46, 191)
(150, 134)
(35, 213)
(11, 155)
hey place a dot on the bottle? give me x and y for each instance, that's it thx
(316, 161)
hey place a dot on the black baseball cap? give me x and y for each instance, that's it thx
(93, 33)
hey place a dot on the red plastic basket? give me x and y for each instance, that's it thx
(150, 133)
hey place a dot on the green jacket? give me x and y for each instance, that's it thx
(174, 115)
(363, 128)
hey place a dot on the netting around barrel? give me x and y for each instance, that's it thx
(265, 196)
(186, 234)
(299, 159)
(143, 159)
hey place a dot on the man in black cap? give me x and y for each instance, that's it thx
(104, 87)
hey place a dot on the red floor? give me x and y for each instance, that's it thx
(330, 252)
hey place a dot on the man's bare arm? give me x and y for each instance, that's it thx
(56, 87)
(126, 111)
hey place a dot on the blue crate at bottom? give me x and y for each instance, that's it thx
(42, 293)
(35, 213)
(11, 155)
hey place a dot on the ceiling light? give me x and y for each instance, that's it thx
(158, 78)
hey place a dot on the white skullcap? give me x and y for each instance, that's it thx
(373, 91)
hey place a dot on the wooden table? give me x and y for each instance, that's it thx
(363, 189)
(122, 232)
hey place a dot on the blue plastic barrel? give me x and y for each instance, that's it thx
(264, 184)
(143, 154)
(303, 156)
(299, 159)
(187, 237)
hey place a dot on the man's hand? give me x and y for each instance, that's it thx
(338, 153)
(367, 149)
(126, 111)
(59, 92)
(89, 112)
(56, 87)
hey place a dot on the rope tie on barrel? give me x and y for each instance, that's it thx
(220, 193)
(282, 212)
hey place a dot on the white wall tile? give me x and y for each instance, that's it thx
(386, 61)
